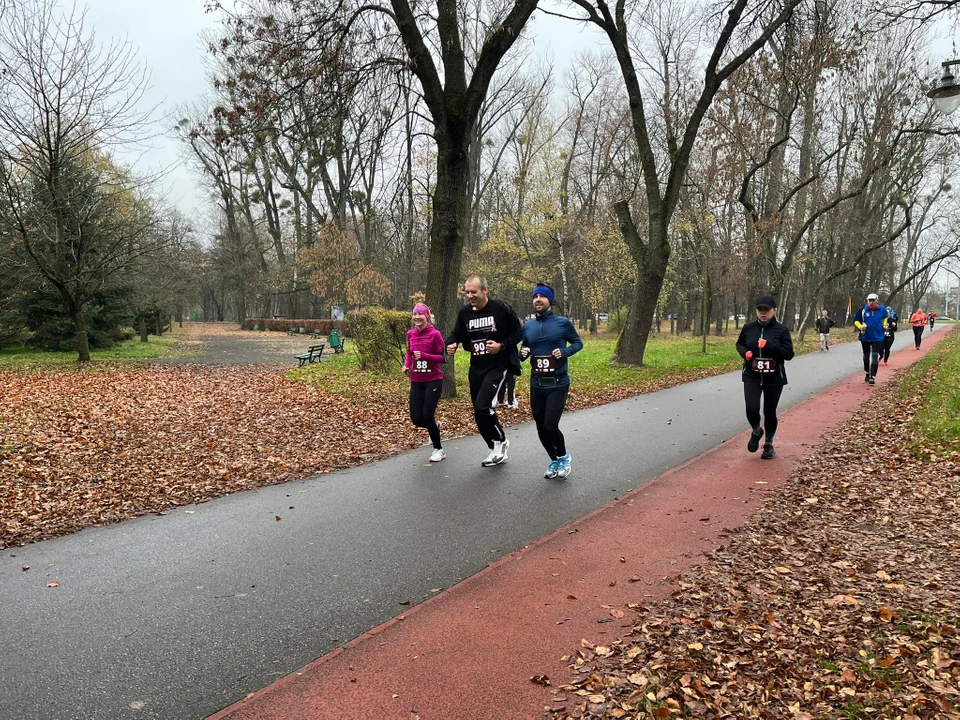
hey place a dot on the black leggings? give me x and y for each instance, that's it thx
(887, 344)
(771, 397)
(547, 405)
(872, 351)
(424, 397)
(917, 332)
(484, 389)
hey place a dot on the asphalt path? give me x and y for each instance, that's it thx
(177, 616)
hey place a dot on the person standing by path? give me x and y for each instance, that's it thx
(489, 330)
(889, 333)
(871, 321)
(508, 393)
(425, 354)
(918, 320)
(823, 325)
(548, 340)
(765, 345)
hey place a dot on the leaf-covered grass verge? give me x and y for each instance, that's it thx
(124, 353)
(936, 425)
(837, 600)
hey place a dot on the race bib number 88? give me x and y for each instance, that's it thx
(764, 365)
(420, 366)
(478, 347)
(544, 364)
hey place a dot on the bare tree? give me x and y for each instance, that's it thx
(743, 30)
(65, 103)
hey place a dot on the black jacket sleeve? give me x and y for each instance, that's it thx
(459, 334)
(512, 329)
(741, 343)
(780, 345)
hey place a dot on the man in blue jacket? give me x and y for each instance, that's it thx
(548, 340)
(871, 321)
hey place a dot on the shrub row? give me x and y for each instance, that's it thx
(381, 337)
(309, 325)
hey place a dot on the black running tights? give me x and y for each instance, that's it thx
(424, 397)
(771, 397)
(547, 405)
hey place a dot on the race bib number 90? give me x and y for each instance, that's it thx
(420, 366)
(478, 347)
(764, 365)
(544, 364)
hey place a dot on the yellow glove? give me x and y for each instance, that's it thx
(859, 325)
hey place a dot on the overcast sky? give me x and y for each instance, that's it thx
(165, 35)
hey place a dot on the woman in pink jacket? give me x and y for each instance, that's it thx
(425, 354)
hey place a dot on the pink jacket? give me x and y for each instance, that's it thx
(430, 344)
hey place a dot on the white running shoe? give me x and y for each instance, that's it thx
(501, 449)
(437, 455)
(490, 459)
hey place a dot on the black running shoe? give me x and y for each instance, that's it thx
(768, 452)
(872, 380)
(866, 377)
(753, 444)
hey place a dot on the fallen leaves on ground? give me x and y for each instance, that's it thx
(98, 445)
(840, 599)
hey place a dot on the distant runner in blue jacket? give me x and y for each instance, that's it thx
(871, 322)
(548, 340)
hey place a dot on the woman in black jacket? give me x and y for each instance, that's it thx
(765, 345)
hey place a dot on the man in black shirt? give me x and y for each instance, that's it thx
(489, 330)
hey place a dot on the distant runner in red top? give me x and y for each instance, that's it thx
(918, 320)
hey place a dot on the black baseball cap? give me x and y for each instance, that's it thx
(765, 301)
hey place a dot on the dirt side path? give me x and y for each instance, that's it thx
(225, 344)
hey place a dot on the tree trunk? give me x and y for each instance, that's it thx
(83, 342)
(651, 260)
(143, 328)
(446, 236)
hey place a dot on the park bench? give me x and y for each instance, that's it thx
(311, 356)
(293, 331)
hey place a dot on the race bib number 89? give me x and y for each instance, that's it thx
(544, 364)
(478, 347)
(420, 366)
(764, 365)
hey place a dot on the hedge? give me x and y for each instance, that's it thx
(309, 325)
(381, 337)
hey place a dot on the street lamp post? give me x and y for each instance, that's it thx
(946, 93)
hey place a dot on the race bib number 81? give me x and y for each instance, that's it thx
(478, 347)
(764, 365)
(544, 364)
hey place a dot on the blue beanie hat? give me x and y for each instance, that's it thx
(544, 290)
